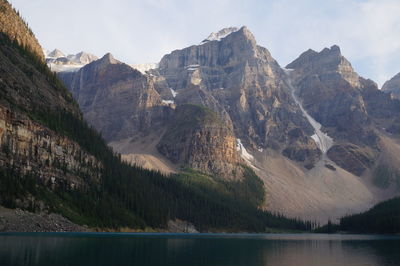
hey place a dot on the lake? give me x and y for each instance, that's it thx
(197, 249)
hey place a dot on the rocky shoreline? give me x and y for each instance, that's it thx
(16, 220)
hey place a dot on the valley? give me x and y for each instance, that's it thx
(216, 137)
(296, 127)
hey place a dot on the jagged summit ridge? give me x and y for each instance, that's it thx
(217, 36)
(56, 53)
(82, 58)
(393, 86)
(327, 60)
(109, 59)
(59, 62)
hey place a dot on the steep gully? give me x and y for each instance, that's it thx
(322, 139)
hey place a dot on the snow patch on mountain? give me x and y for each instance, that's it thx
(143, 68)
(323, 141)
(217, 36)
(168, 102)
(54, 54)
(58, 62)
(174, 93)
(243, 152)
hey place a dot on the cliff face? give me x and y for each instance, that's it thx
(350, 108)
(31, 148)
(243, 83)
(32, 101)
(116, 99)
(123, 104)
(17, 29)
(232, 76)
(198, 138)
(332, 92)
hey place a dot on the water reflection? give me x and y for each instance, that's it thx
(276, 250)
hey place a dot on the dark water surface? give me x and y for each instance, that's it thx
(192, 250)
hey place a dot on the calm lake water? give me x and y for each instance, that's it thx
(192, 250)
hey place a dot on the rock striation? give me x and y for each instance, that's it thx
(241, 81)
(200, 139)
(32, 100)
(116, 99)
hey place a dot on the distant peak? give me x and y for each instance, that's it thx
(56, 54)
(334, 50)
(332, 54)
(217, 36)
(109, 58)
(245, 30)
(328, 60)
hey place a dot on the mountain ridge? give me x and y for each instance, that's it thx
(279, 118)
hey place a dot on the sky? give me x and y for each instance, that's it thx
(142, 31)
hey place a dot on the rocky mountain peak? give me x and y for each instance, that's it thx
(108, 59)
(393, 86)
(235, 32)
(334, 51)
(55, 54)
(58, 62)
(329, 60)
(246, 32)
(82, 58)
(217, 36)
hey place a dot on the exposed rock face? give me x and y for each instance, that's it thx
(29, 92)
(332, 93)
(229, 74)
(116, 99)
(242, 82)
(55, 54)
(352, 158)
(23, 221)
(33, 148)
(122, 103)
(301, 148)
(393, 86)
(199, 139)
(227, 101)
(17, 29)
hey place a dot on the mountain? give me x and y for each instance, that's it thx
(57, 61)
(59, 170)
(392, 86)
(350, 108)
(55, 54)
(176, 83)
(314, 130)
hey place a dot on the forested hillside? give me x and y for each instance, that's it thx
(383, 218)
